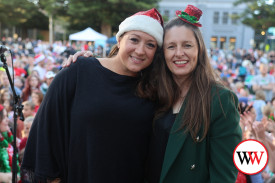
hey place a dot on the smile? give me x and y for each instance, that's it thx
(180, 62)
(136, 60)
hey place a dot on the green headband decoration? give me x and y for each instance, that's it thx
(191, 19)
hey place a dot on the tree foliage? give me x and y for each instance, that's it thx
(97, 12)
(259, 14)
(14, 12)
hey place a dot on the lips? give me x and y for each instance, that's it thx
(136, 59)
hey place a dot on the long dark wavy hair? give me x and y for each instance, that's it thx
(166, 92)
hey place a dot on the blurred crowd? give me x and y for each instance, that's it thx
(249, 73)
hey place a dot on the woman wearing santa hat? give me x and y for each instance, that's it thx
(92, 126)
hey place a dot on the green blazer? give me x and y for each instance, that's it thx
(212, 159)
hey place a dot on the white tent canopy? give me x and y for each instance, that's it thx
(88, 34)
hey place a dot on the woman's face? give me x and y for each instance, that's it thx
(34, 82)
(180, 51)
(136, 52)
(4, 124)
(35, 99)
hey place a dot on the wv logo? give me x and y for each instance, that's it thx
(250, 157)
(243, 157)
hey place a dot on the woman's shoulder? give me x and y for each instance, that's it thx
(87, 61)
(81, 65)
(221, 94)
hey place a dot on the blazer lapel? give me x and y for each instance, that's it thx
(174, 145)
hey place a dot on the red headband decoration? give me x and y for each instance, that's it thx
(190, 15)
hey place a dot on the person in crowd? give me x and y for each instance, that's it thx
(258, 104)
(264, 81)
(91, 123)
(27, 126)
(28, 109)
(45, 85)
(196, 127)
(260, 132)
(40, 65)
(37, 98)
(6, 139)
(4, 83)
(32, 83)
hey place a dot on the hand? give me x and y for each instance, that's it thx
(5, 177)
(259, 130)
(73, 58)
(247, 118)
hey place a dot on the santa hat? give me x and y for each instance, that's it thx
(38, 58)
(149, 22)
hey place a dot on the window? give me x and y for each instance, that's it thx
(222, 42)
(216, 17)
(167, 13)
(225, 18)
(214, 42)
(234, 18)
(232, 43)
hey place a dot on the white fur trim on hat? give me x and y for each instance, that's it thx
(142, 23)
(39, 58)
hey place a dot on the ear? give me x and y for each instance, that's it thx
(118, 42)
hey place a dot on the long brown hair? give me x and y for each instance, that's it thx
(197, 111)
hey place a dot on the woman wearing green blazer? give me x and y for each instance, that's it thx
(194, 141)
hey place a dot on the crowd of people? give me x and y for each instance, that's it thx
(250, 74)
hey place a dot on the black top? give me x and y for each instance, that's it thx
(159, 139)
(90, 128)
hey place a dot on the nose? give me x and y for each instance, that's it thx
(179, 52)
(140, 50)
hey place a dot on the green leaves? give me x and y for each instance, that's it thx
(259, 15)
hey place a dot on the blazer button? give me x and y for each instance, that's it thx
(193, 167)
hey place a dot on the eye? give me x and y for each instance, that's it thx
(134, 40)
(151, 45)
(188, 45)
(170, 47)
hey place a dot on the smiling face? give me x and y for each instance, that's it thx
(136, 52)
(181, 51)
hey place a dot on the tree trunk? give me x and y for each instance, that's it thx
(106, 29)
(51, 29)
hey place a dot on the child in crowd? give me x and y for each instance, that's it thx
(258, 104)
(28, 109)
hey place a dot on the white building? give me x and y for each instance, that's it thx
(219, 30)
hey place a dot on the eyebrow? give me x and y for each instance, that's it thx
(140, 37)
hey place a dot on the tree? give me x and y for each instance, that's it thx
(104, 15)
(52, 9)
(259, 14)
(15, 12)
